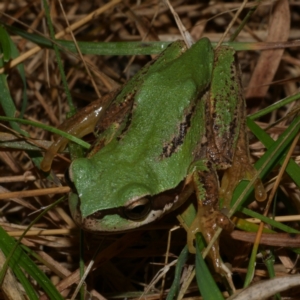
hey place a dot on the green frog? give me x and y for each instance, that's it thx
(178, 121)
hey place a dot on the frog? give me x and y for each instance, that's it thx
(169, 129)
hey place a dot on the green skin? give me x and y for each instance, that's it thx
(125, 182)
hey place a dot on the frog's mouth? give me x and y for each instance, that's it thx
(136, 213)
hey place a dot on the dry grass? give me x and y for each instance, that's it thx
(133, 259)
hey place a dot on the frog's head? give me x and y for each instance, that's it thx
(111, 201)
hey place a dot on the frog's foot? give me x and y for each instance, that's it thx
(241, 169)
(206, 222)
(209, 218)
(208, 226)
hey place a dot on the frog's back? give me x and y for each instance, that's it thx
(166, 98)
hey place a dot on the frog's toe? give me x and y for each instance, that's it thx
(260, 192)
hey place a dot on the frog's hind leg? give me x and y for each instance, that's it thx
(226, 130)
(240, 169)
(208, 217)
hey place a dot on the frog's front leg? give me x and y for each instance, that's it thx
(79, 125)
(96, 117)
(209, 218)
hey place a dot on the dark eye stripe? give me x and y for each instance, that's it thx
(174, 144)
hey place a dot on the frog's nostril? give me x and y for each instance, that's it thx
(138, 210)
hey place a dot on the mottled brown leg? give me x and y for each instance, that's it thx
(240, 169)
(208, 216)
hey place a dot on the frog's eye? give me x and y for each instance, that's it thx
(138, 210)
